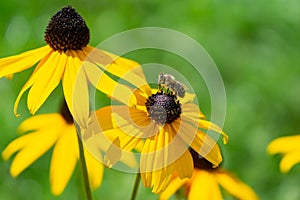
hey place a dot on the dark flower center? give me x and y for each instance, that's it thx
(163, 108)
(65, 113)
(200, 162)
(67, 31)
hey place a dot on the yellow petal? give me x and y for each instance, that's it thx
(108, 86)
(17, 63)
(204, 187)
(126, 69)
(188, 97)
(63, 161)
(100, 121)
(174, 185)
(155, 164)
(199, 141)
(42, 121)
(234, 186)
(113, 153)
(185, 166)
(31, 147)
(99, 143)
(211, 126)
(80, 98)
(95, 170)
(284, 144)
(161, 178)
(129, 124)
(70, 77)
(289, 160)
(192, 112)
(49, 76)
(30, 82)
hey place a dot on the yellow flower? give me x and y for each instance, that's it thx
(289, 146)
(205, 182)
(47, 130)
(67, 57)
(165, 123)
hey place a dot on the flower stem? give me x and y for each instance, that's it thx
(136, 186)
(84, 170)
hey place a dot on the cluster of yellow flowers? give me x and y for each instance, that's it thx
(167, 130)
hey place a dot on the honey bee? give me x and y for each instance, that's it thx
(171, 83)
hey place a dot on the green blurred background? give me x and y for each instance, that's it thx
(255, 45)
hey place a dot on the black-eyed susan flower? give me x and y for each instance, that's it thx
(205, 183)
(44, 131)
(289, 147)
(166, 124)
(67, 37)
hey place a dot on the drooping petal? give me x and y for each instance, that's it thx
(289, 160)
(174, 185)
(95, 170)
(234, 186)
(69, 78)
(156, 164)
(64, 158)
(284, 144)
(38, 122)
(99, 144)
(204, 187)
(17, 63)
(211, 126)
(49, 76)
(30, 82)
(199, 141)
(80, 100)
(126, 69)
(113, 153)
(30, 146)
(185, 166)
(107, 85)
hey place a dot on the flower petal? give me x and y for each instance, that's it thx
(38, 122)
(80, 100)
(199, 141)
(289, 160)
(211, 126)
(184, 165)
(284, 144)
(192, 112)
(73, 76)
(108, 86)
(126, 69)
(48, 77)
(31, 147)
(95, 170)
(204, 187)
(63, 161)
(155, 165)
(17, 63)
(30, 82)
(113, 153)
(188, 97)
(234, 186)
(174, 185)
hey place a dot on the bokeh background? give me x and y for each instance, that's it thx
(255, 45)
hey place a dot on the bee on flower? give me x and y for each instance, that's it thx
(166, 126)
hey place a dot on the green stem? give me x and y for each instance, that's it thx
(136, 186)
(84, 170)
